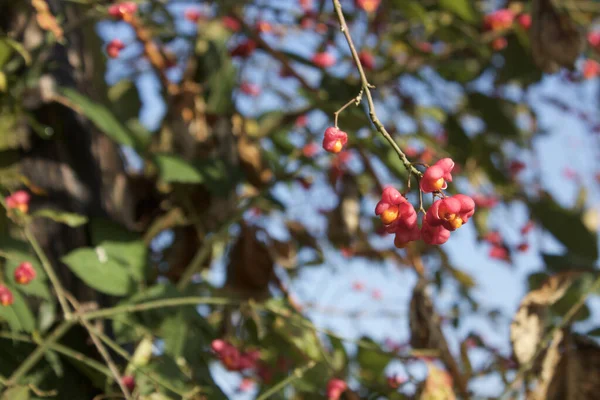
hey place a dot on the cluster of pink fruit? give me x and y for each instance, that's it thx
(232, 358)
(445, 215)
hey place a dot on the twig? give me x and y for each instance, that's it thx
(132, 308)
(64, 350)
(297, 374)
(369, 167)
(276, 54)
(366, 87)
(60, 292)
(102, 350)
(356, 101)
(204, 252)
(38, 353)
(123, 353)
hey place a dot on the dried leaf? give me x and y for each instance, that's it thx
(252, 162)
(555, 39)
(251, 266)
(284, 253)
(438, 385)
(343, 220)
(528, 324)
(576, 376)
(549, 364)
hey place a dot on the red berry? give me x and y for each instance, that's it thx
(358, 286)
(310, 149)
(334, 139)
(251, 89)
(523, 247)
(594, 39)
(231, 23)
(114, 47)
(18, 200)
(367, 60)
(436, 176)
(6, 296)
(494, 238)
(24, 273)
(499, 20)
(244, 49)
(192, 15)
(499, 253)
(323, 60)
(122, 10)
(499, 43)
(129, 382)
(335, 388)
(525, 21)
(368, 5)
(591, 68)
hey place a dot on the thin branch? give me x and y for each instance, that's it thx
(356, 101)
(38, 353)
(127, 357)
(60, 292)
(59, 348)
(102, 350)
(297, 374)
(366, 87)
(205, 250)
(132, 308)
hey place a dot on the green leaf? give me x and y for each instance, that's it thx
(460, 70)
(125, 100)
(496, 113)
(99, 271)
(372, 360)
(411, 9)
(16, 393)
(594, 332)
(67, 218)
(101, 116)
(563, 262)
(567, 227)
(175, 169)
(518, 64)
(125, 247)
(339, 358)
(462, 8)
(18, 316)
(5, 52)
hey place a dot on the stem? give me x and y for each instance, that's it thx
(204, 252)
(102, 350)
(131, 308)
(297, 374)
(366, 87)
(38, 353)
(60, 292)
(64, 350)
(355, 101)
(120, 351)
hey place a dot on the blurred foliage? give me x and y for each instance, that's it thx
(245, 110)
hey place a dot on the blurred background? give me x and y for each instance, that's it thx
(180, 204)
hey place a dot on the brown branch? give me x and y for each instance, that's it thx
(276, 54)
(101, 349)
(366, 87)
